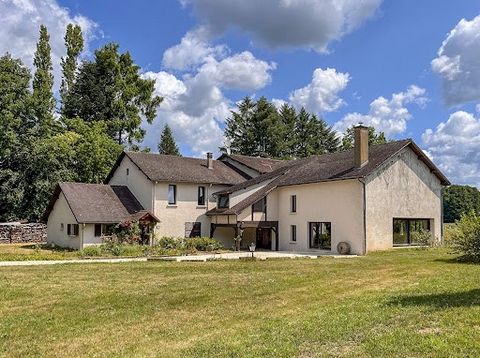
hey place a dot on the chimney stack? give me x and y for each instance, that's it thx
(210, 160)
(360, 145)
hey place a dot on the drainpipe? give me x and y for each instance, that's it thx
(361, 180)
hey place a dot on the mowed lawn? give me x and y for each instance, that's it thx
(412, 303)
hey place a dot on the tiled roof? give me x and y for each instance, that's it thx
(158, 167)
(259, 164)
(97, 203)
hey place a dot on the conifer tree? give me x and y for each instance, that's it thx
(373, 137)
(167, 143)
(44, 102)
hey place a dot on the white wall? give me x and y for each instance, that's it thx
(338, 202)
(405, 188)
(61, 214)
(89, 235)
(239, 195)
(136, 181)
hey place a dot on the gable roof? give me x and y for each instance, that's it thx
(97, 203)
(159, 167)
(259, 164)
(327, 167)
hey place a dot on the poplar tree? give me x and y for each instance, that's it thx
(44, 102)
(167, 143)
(74, 44)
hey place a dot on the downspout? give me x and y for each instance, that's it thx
(364, 188)
(154, 196)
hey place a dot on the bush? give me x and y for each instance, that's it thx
(464, 237)
(423, 237)
(91, 251)
(187, 244)
(203, 244)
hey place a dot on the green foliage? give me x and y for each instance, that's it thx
(373, 138)
(111, 89)
(423, 237)
(257, 128)
(91, 251)
(458, 200)
(188, 244)
(167, 143)
(74, 45)
(464, 237)
(44, 102)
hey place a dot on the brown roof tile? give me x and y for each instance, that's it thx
(259, 164)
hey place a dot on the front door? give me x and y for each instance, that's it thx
(264, 239)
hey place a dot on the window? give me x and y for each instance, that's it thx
(260, 206)
(404, 230)
(320, 235)
(223, 201)
(98, 230)
(293, 204)
(172, 194)
(128, 171)
(193, 229)
(201, 195)
(72, 229)
(293, 232)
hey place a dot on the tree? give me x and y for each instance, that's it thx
(305, 141)
(458, 200)
(288, 117)
(74, 44)
(15, 118)
(43, 100)
(373, 137)
(111, 89)
(238, 128)
(167, 143)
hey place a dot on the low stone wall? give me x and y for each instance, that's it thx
(16, 233)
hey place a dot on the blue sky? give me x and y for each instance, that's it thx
(411, 68)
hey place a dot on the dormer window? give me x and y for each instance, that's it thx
(223, 201)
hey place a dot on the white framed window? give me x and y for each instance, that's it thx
(293, 233)
(293, 203)
(172, 194)
(201, 196)
(72, 229)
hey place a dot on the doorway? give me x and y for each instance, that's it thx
(264, 239)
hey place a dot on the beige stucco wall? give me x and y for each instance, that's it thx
(89, 235)
(403, 188)
(61, 214)
(339, 202)
(136, 181)
(239, 195)
(173, 217)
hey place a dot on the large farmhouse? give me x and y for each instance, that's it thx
(369, 198)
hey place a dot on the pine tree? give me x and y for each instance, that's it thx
(288, 116)
(44, 102)
(325, 138)
(74, 44)
(167, 143)
(305, 127)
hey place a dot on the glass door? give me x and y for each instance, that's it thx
(320, 235)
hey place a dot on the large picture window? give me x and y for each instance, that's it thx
(320, 235)
(404, 230)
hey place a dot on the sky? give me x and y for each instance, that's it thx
(410, 68)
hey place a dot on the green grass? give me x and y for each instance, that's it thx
(25, 252)
(413, 303)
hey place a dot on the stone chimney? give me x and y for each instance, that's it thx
(360, 145)
(210, 160)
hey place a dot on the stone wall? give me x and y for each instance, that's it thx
(15, 233)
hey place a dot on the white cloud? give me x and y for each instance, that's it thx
(20, 25)
(321, 95)
(455, 146)
(285, 23)
(386, 115)
(192, 50)
(241, 71)
(458, 64)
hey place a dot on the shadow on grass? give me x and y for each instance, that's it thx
(440, 300)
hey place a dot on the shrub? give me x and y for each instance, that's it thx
(203, 244)
(464, 237)
(91, 251)
(423, 237)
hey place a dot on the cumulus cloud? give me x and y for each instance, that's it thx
(387, 115)
(458, 65)
(321, 95)
(20, 25)
(285, 23)
(455, 146)
(195, 106)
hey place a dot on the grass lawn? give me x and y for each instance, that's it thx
(24, 252)
(413, 303)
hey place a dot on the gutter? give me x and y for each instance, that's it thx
(364, 187)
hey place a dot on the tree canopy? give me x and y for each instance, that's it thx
(167, 143)
(458, 200)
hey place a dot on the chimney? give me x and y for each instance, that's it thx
(210, 160)
(360, 145)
